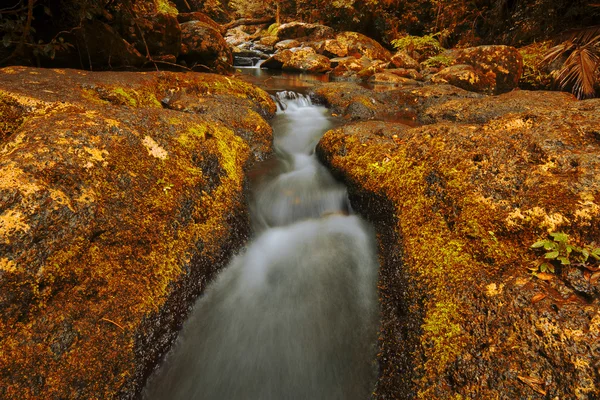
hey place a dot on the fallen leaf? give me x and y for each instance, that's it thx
(544, 276)
(534, 383)
(594, 278)
(538, 297)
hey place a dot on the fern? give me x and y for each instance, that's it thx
(580, 69)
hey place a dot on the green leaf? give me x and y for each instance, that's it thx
(564, 260)
(550, 245)
(544, 267)
(559, 236)
(538, 244)
(585, 254)
(552, 254)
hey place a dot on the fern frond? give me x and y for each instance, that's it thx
(579, 71)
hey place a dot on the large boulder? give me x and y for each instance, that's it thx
(457, 207)
(503, 64)
(304, 31)
(355, 43)
(402, 60)
(466, 77)
(303, 59)
(203, 47)
(121, 194)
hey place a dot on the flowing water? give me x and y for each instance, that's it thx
(295, 315)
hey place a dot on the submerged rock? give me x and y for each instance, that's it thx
(120, 196)
(457, 207)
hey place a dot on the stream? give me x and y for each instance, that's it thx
(295, 314)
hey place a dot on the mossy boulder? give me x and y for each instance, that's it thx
(466, 77)
(401, 59)
(502, 63)
(204, 48)
(121, 194)
(457, 207)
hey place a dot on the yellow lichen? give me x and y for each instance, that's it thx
(11, 222)
(154, 148)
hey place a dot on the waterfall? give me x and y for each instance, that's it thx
(295, 315)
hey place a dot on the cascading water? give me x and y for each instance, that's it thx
(295, 315)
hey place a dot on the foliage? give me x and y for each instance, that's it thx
(439, 61)
(581, 68)
(559, 252)
(535, 75)
(419, 47)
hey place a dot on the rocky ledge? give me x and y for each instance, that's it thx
(121, 194)
(458, 203)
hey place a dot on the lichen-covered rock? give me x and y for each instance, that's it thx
(466, 77)
(503, 63)
(402, 60)
(197, 16)
(457, 207)
(287, 44)
(120, 196)
(203, 47)
(303, 59)
(406, 73)
(304, 31)
(357, 44)
(389, 78)
(355, 102)
(350, 68)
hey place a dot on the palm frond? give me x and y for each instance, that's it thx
(580, 50)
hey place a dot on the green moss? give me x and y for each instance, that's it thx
(192, 135)
(438, 61)
(426, 46)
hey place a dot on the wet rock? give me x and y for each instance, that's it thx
(402, 60)
(204, 47)
(303, 59)
(304, 31)
(121, 194)
(466, 77)
(355, 102)
(269, 42)
(503, 63)
(464, 202)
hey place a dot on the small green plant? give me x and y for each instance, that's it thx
(166, 186)
(559, 252)
(419, 47)
(439, 61)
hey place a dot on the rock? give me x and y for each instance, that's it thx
(389, 78)
(456, 207)
(354, 43)
(236, 36)
(303, 59)
(304, 31)
(484, 109)
(355, 102)
(357, 69)
(287, 44)
(121, 195)
(329, 47)
(504, 63)
(402, 60)
(203, 45)
(466, 77)
(263, 48)
(269, 42)
(406, 73)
